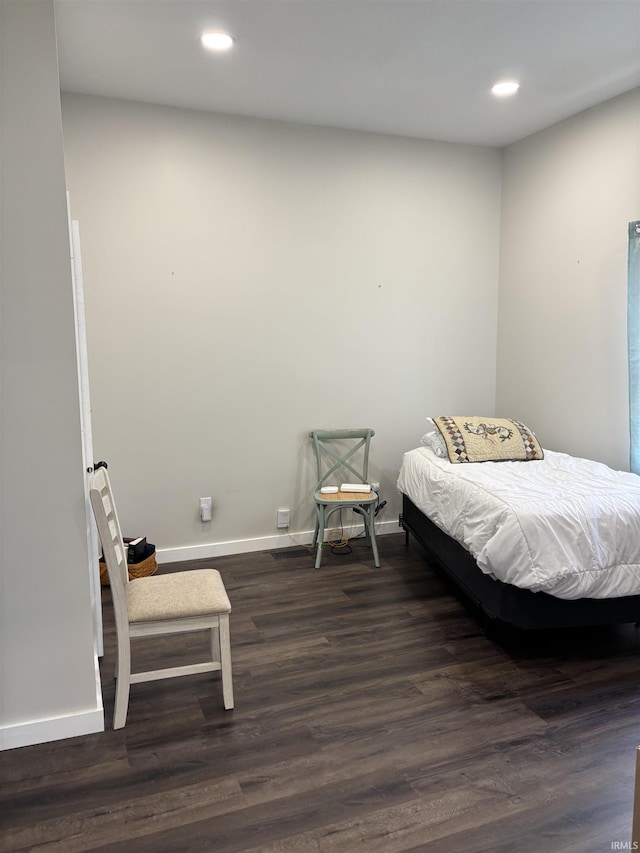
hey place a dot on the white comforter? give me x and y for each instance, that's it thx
(567, 526)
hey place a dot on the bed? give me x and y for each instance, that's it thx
(540, 540)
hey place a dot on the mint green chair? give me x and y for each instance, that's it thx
(342, 456)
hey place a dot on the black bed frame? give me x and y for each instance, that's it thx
(503, 603)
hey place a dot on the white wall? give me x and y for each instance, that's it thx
(225, 259)
(48, 665)
(568, 195)
(247, 281)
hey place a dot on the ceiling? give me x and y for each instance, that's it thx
(417, 68)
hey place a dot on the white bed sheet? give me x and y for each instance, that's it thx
(562, 525)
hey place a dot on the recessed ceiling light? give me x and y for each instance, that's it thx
(217, 41)
(505, 87)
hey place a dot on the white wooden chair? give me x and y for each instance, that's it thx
(174, 603)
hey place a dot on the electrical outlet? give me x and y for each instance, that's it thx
(206, 506)
(283, 517)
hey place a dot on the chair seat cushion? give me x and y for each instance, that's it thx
(199, 592)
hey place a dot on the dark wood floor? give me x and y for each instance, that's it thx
(371, 714)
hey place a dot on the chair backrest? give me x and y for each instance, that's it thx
(104, 510)
(342, 454)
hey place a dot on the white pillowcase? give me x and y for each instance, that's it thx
(435, 442)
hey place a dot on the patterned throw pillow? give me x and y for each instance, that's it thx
(478, 439)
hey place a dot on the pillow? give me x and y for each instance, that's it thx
(435, 442)
(476, 439)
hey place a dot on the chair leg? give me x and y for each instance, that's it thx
(215, 644)
(123, 685)
(225, 661)
(320, 534)
(372, 536)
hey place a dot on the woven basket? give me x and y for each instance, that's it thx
(147, 566)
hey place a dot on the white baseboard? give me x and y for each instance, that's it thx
(244, 546)
(56, 728)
